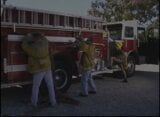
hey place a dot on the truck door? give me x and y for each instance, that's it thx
(130, 38)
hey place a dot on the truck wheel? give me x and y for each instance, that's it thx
(62, 79)
(131, 66)
(64, 67)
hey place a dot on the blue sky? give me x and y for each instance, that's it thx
(79, 7)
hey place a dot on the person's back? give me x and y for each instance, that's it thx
(91, 53)
(86, 64)
(35, 46)
(85, 60)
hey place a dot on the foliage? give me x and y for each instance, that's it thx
(118, 10)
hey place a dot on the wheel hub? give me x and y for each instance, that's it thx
(60, 78)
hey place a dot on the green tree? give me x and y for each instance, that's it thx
(118, 10)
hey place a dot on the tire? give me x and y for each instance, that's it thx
(131, 66)
(62, 79)
(64, 67)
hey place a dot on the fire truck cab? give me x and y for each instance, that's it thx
(131, 34)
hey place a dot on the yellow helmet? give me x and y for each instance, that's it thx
(119, 45)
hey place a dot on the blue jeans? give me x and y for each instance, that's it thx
(87, 83)
(37, 79)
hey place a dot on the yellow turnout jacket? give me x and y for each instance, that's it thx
(38, 55)
(87, 58)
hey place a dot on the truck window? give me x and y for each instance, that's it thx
(141, 34)
(66, 21)
(51, 19)
(115, 31)
(28, 17)
(87, 24)
(61, 21)
(21, 16)
(15, 15)
(79, 22)
(100, 27)
(34, 18)
(8, 15)
(75, 22)
(71, 21)
(57, 20)
(129, 31)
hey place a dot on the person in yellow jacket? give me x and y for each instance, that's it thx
(86, 64)
(35, 45)
(119, 57)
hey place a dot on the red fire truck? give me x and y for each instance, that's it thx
(60, 29)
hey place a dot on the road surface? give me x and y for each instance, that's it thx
(138, 97)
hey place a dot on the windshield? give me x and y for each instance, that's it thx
(141, 34)
(115, 31)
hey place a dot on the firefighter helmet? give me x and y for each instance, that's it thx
(119, 45)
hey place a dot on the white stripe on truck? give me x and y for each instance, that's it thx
(15, 68)
(49, 38)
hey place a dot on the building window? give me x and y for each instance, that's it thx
(129, 32)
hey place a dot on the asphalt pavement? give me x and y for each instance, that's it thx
(138, 97)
